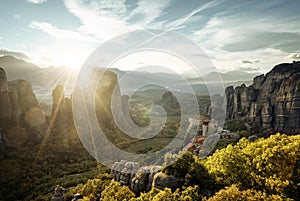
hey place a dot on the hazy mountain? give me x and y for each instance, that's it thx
(18, 69)
(231, 76)
(44, 80)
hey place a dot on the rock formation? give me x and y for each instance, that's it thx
(22, 99)
(3, 139)
(108, 101)
(272, 102)
(124, 171)
(142, 179)
(58, 193)
(16, 99)
(4, 97)
(162, 181)
(61, 107)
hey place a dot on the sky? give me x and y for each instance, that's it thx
(252, 35)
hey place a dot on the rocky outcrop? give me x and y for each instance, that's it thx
(22, 99)
(3, 139)
(108, 101)
(4, 97)
(16, 99)
(162, 181)
(61, 106)
(124, 171)
(272, 102)
(142, 179)
(58, 194)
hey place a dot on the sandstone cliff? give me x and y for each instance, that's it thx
(271, 103)
(16, 99)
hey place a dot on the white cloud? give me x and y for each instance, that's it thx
(229, 38)
(191, 16)
(14, 53)
(97, 20)
(36, 1)
(293, 56)
(249, 61)
(60, 33)
(150, 10)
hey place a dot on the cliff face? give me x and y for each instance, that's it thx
(272, 102)
(16, 99)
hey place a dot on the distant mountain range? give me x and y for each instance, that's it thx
(44, 80)
(236, 76)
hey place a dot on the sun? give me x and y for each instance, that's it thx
(68, 54)
(70, 58)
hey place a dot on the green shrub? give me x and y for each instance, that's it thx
(266, 164)
(235, 125)
(188, 167)
(114, 191)
(187, 194)
(232, 193)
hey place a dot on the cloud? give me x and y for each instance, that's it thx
(258, 40)
(149, 11)
(244, 32)
(247, 27)
(98, 20)
(190, 17)
(249, 69)
(293, 56)
(17, 54)
(249, 62)
(36, 1)
(60, 33)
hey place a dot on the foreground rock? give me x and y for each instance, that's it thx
(142, 179)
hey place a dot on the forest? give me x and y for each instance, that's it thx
(267, 169)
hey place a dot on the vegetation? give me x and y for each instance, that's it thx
(232, 193)
(188, 167)
(266, 165)
(267, 169)
(235, 125)
(187, 194)
(31, 171)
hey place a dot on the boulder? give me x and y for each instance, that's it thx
(162, 181)
(58, 194)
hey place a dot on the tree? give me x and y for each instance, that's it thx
(189, 168)
(187, 194)
(266, 164)
(114, 191)
(232, 193)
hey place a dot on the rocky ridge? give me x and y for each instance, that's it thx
(271, 103)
